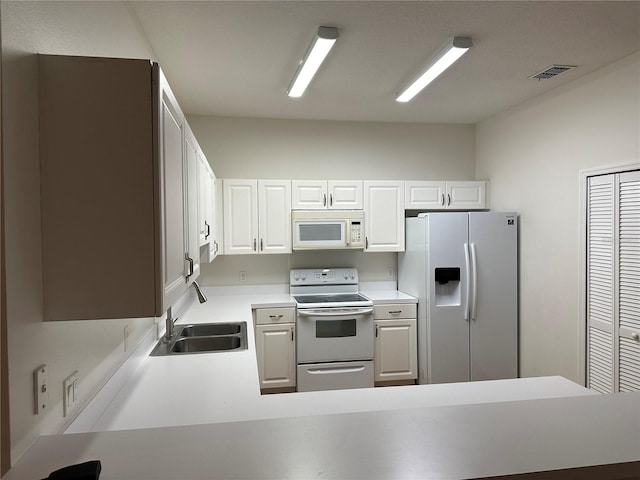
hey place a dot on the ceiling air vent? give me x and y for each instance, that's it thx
(552, 71)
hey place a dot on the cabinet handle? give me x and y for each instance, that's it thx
(376, 331)
(276, 317)
(635, 336)
(331, 199)
(395, 312)
(324, 200)
(255, 245)
(261, 246)
(366, 243)
(215, 243)
(292, 334)
(208, 229)
(448, 199)
(442, 201)
(190, 260)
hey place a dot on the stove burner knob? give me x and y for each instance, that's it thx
(353, 275)
(346, 275)
(303, 276)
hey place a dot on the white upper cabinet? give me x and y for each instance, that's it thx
(208, 218)
(192, 215)
(384, 216)
(129, 225)
(424, 195)
(274, 216)
(445, 195)
(323, 195)
(257, 216)
(469, 195)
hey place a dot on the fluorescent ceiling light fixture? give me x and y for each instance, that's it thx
(452, 51)
(313, 58)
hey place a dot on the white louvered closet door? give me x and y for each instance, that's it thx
(600, 283)
(629, 282)
(613, 282)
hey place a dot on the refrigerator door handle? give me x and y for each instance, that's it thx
(468, 265)
(474, 299)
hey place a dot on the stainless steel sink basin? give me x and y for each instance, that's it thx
(208, 329)
(204, 338)
(206, 344)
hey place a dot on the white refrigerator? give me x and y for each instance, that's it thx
(463, 268)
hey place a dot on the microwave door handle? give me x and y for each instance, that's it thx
(347, 234)
(329, 313)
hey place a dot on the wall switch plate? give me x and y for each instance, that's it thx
(70, 393)
(243, 277)
(41, 388)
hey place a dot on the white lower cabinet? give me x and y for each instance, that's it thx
(395, 347)
(275, 347)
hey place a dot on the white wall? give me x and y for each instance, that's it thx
(533, 155)
(297, 149)
(94, 348)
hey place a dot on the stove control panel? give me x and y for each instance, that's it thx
(323, 276)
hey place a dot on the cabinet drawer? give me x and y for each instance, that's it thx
(267, 316)
(395, 310)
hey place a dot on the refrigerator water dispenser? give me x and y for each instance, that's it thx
(447, 283)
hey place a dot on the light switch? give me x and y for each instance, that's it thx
(70, 393)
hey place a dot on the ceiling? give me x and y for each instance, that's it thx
(237, 58)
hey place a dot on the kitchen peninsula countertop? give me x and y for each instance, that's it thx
(202, 416)
(223, 386)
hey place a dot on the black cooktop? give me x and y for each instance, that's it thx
(331, 298)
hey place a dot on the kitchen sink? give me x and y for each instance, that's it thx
(204, 338)
(208, 329)
(206, 344)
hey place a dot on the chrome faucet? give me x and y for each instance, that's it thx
(201, 296)
(169, 323)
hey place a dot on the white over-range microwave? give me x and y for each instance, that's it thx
(327, 229)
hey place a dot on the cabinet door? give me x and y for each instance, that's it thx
(396, 350)
(308, 195)
(384, 216)
(274, 216)
(344, 194)
(204, 197)
(191, 214)
(240, 216)
(423, 195)
(174, 235)
(628, 294)
(466, 195)
(275, 350)
(211, 216)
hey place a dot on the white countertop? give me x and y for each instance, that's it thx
(223, 386)
(202, 416)
(455, 442)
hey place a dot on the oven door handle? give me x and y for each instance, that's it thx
(329, 313)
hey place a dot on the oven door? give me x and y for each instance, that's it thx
(334, 334)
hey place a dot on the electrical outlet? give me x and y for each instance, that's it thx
(390, 272)
(243, 277)
(41, 388)
(70, 393)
